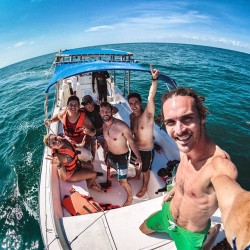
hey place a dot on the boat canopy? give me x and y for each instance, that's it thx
(67, 70)
(88, 52)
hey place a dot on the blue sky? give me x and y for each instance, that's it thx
(29, 28)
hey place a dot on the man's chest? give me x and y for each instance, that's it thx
(139, 125)
(193, 183)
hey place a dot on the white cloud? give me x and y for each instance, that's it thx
(222, 40)
(170, 18)
(19, 44)
(156, 19)
(98, 28)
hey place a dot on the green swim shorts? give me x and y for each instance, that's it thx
(163, 222)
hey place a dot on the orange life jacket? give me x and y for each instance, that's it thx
(69, 166)
(77, 204)
(78, 127)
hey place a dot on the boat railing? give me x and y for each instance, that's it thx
(63, 59)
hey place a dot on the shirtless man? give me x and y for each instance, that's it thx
(65, 158)
(142, 125)
(186, 213)
(117, 134)
(77, 126)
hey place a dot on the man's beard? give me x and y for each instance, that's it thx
(106, 118)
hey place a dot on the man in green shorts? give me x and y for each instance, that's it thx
(163, 222)
(193, 199)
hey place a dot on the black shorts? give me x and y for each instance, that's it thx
(121, 164)
(147, 157)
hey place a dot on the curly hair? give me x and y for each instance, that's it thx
(198, 100)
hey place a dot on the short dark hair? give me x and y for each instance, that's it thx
(87, 99)
(73, 98)
(106, 105)
(136, 95)
(198, 100)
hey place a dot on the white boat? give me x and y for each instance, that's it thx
(117, 228)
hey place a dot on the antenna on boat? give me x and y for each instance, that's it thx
(167, 86)
(151, 68)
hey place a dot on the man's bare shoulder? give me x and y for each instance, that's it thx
(222, 165)
(120, 124)
(221, 153)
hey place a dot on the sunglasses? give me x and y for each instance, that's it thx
(52, 141)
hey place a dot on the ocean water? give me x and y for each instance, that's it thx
(222, 76)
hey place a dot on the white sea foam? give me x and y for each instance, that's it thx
(28, 159)
(30, 202)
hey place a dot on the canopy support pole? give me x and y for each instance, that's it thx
(128, 82)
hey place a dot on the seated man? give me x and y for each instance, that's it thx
(64, 157)
(76, 125)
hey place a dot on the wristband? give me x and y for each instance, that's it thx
(154, 79)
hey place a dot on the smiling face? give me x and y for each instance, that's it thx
(55, 142)
(106, 113)
(135, 105)
(182, 122)
(89, 106)
(73, 106)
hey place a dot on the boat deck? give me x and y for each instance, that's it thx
(116, 195)
(113, 228)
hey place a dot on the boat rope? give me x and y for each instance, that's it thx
(88, 227)
(56, 238)
(110, 231)
(48, 72)
(49, 128)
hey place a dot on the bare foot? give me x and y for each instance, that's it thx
(141, 193)
(128, 201)
(212, 234)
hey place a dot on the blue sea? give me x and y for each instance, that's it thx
(221, 76)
